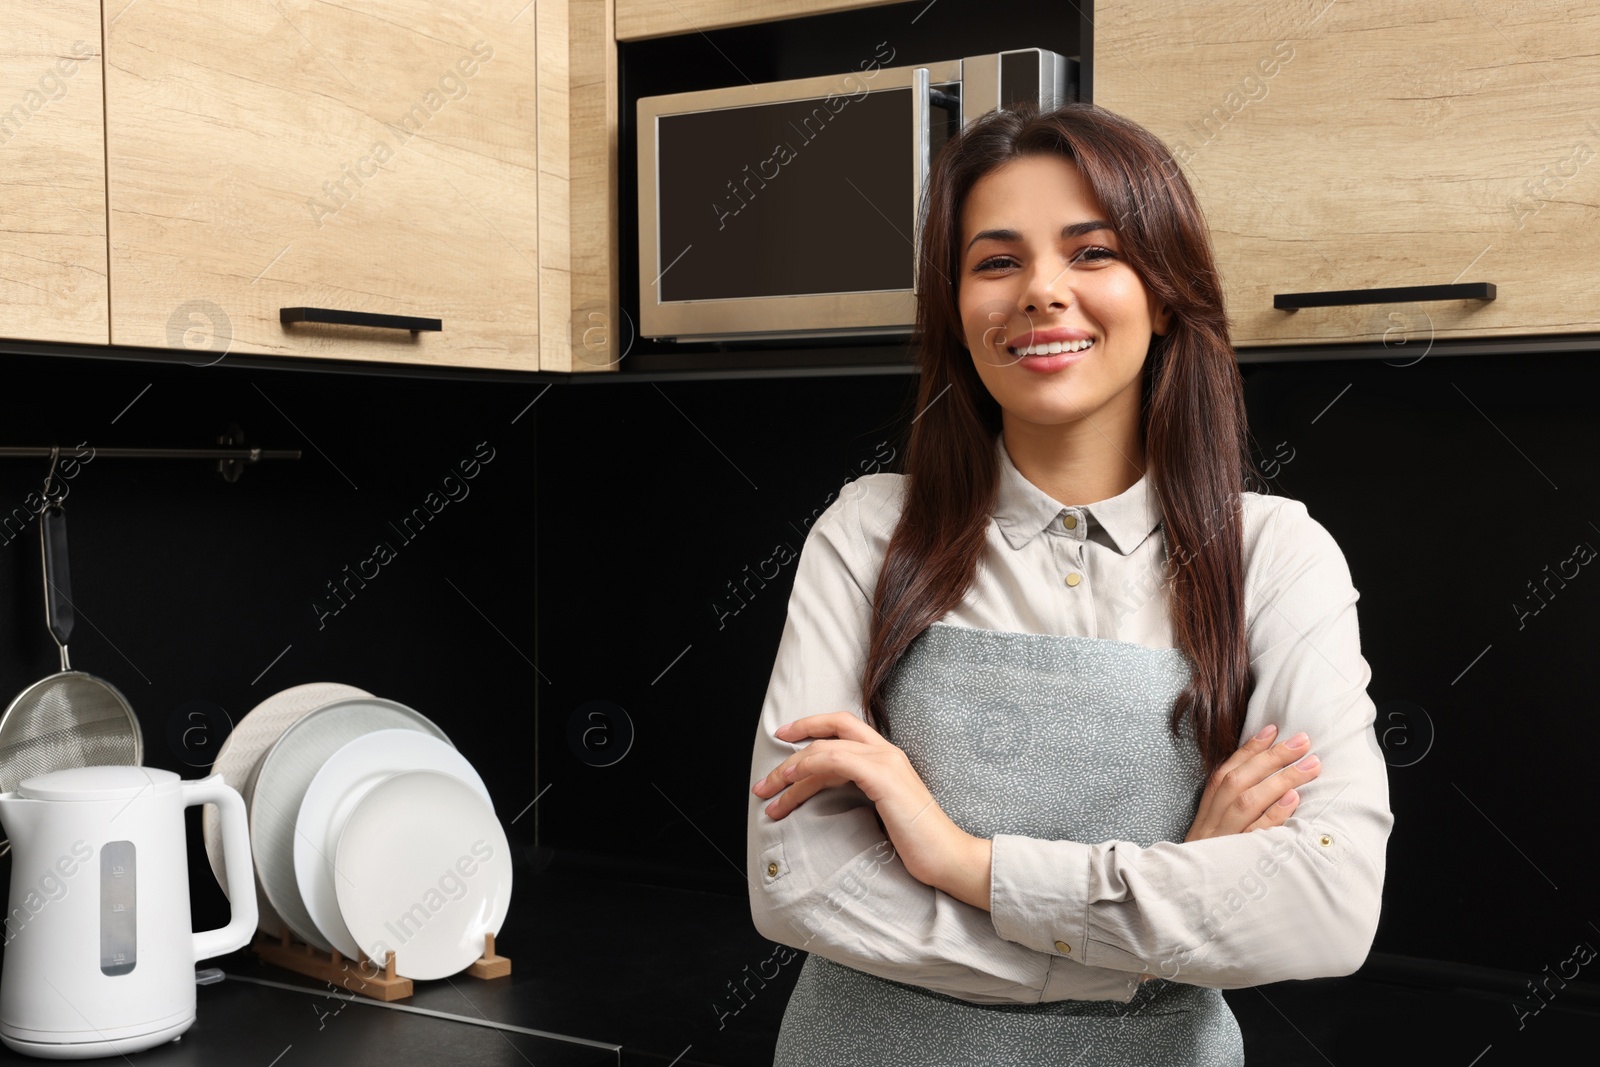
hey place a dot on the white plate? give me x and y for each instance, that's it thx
(424, 870)
(241, 753)
(333, 794)
(280, 784)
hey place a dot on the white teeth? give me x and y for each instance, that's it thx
(1052, 348)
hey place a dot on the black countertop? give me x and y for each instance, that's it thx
(603, 971)
(629, 974)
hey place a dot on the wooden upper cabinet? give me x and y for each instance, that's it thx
(637, 19)
(373, 158)
(1387, 143)
(52, 173)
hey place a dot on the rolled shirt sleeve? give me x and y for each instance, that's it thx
(1295, 901)
(825, 878)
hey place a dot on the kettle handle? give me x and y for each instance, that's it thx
(236, 860)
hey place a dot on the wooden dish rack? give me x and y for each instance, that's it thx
(336, 969)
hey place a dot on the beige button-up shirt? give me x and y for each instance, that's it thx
(1080, 920)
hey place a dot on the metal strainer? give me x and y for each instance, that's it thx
(70, 719)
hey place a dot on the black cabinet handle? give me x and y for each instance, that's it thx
(357, 318)
(1404, 294)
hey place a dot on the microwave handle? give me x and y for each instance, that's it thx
(921, 101)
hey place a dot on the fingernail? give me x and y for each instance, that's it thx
(1266, 732)
(1298, 741)
(1308, 764)
(1288, 799)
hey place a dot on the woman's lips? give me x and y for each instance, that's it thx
(1050, 363)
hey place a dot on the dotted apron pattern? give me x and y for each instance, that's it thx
(1047, 736)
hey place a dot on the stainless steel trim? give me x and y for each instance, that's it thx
(793, 89)
(1055, 81)
(355, 998)
(980, 87)
(980, 82)
(844, 314)
(882, 331)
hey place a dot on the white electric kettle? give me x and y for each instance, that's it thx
(99, 954)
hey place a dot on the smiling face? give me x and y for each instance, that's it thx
(1042, 271)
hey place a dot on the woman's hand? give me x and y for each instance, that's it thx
(1255, 788)
(848, 750)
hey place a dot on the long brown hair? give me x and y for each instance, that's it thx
(1195, 430)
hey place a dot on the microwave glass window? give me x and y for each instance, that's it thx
(799, 197)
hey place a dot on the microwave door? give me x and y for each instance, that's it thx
(785, 209)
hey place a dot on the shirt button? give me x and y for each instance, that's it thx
(1324, 840)
(772, 870)
(1074, 578)
(1063, 947)
(1070, 521)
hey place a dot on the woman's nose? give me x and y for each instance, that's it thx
(1046, 288)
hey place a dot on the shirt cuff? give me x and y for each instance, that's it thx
(1065, 981)
(1038, 894)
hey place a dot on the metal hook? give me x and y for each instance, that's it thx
(55, 454)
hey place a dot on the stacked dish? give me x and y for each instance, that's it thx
(370, 832)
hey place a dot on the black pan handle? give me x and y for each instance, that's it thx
(58, 611)
(1403, 294)
(357, 318)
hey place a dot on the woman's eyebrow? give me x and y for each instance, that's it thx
(1075, 229)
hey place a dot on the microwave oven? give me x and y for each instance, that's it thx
(791, 209)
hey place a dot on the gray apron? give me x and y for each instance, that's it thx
(1041, 735)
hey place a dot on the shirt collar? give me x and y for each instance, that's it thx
(1023, 510)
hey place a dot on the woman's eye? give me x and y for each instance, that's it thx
(1092, 254)
(992, 262)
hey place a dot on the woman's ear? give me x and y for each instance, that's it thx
(1163, 322)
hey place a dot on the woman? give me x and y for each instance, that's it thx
(1035, 775)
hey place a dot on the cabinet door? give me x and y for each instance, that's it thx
(52, 173)
(1387, 143)
(373, 157)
